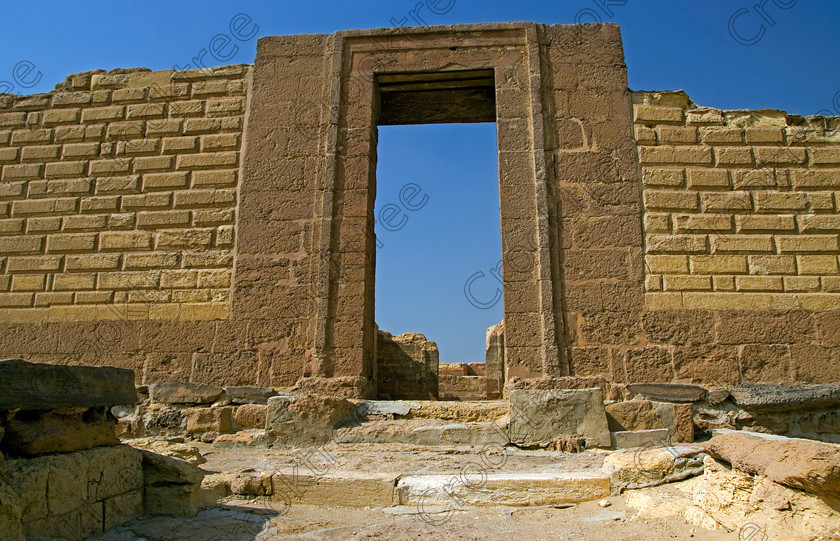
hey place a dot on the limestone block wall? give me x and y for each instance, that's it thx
(117, 193)
(217, 226)
(740, 228)
(741, 208)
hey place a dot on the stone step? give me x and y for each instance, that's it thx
(477, 488)
(467, 488)
(417, 432)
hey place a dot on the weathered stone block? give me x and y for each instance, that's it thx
(651, 466)
(184, 393)
(251, 415)
(625, 439)
(61, 386)
(34, 433)
(669, 392)
(216, 419)
(539, 417)
(632, 415)
(168, 470)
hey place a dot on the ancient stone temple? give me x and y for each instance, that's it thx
(216, 225)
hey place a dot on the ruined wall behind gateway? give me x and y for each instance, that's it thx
(217, 225)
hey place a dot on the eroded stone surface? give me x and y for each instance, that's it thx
(625, 439)
(807, 465)
(539, 417)
(670, 392)
(652, 465)
(787, 397)
(251, 415)
(39, 386)
(184, 393)
(73, 495)
(182, 451)
(732, 500)
(632, 415)
(249, 395)
(33, 433)
(217, 419)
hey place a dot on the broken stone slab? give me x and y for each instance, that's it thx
(797, 463)
(249, 395)
(168, 470)
(727, 499)
(717, 396)
(632, 415)
(626, 439)
(180, 450)
(31, 433)
(538, 417)
(652, 465)
(459, 434)
(41, 386)
(678, 418)
(786, 397)
(668, 392)
(184, 393)
(244, 438)
(513, 489)
(399, 408)
(307, 419)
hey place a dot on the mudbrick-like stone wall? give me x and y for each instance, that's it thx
(119, 190)
(406, 366)
(216, 226)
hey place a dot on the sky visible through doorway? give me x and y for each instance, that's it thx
(437, 212)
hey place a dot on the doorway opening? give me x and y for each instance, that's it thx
(438, 282)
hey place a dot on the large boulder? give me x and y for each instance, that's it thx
(539, 417)
(40, 386)
(804, 464)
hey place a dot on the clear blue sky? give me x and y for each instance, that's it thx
(792, 63)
